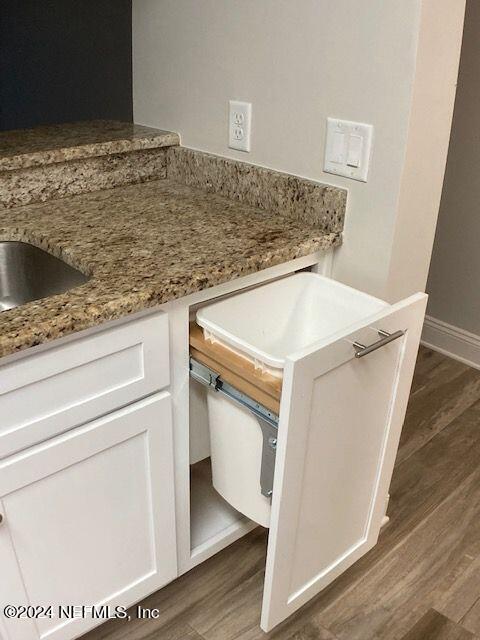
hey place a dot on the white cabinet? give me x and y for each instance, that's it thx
(343, 402)
(89, 518)
(99, 514)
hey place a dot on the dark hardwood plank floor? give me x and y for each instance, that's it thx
(423, 577)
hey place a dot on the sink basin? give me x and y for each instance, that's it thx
(28, 273)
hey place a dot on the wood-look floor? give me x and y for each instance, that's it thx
(436, 626)
(421, 581)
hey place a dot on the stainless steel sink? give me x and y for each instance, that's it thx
(28, 273)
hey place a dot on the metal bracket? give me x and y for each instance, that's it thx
(269, 451)
(267, 420)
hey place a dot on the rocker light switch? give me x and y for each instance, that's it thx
(348, 148)
(338, 154)
(355, 145)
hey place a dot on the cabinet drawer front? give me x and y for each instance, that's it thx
(68, 385)
(89, 520)
(343, 406)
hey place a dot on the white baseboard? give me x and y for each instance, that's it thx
(451, 341)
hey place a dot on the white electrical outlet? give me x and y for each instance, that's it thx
(239, 125)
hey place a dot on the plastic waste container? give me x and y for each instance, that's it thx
(265, 325)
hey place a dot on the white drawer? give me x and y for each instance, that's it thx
(68, 385)
(318, 473)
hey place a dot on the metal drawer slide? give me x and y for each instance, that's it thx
(267, 420)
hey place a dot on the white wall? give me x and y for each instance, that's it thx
(433, 98)
(299, 62)
(454, 280)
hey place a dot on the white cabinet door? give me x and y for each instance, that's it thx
(340, 423)
(89, 519)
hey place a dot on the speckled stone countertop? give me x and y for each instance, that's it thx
(59, 143)
(144, 245)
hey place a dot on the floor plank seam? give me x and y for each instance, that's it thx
(437, 433)
(465, 615)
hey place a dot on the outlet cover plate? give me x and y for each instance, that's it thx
(239, 125)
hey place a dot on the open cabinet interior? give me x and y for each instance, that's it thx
(212, 519)
(210, 515)
(214, 522)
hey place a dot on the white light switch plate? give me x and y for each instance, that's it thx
(239, 125)
(348, 149)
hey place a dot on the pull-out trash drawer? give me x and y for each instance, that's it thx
(243, 409)
(309, 382)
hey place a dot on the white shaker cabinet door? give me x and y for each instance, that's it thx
(340, 422)
(89, 519)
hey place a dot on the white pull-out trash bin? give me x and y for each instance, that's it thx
(265, 325)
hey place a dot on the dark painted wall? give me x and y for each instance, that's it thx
(64, 60)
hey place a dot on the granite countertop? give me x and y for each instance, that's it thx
(143, 245)
(59, 143)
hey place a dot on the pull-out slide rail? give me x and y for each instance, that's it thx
(267, 420)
